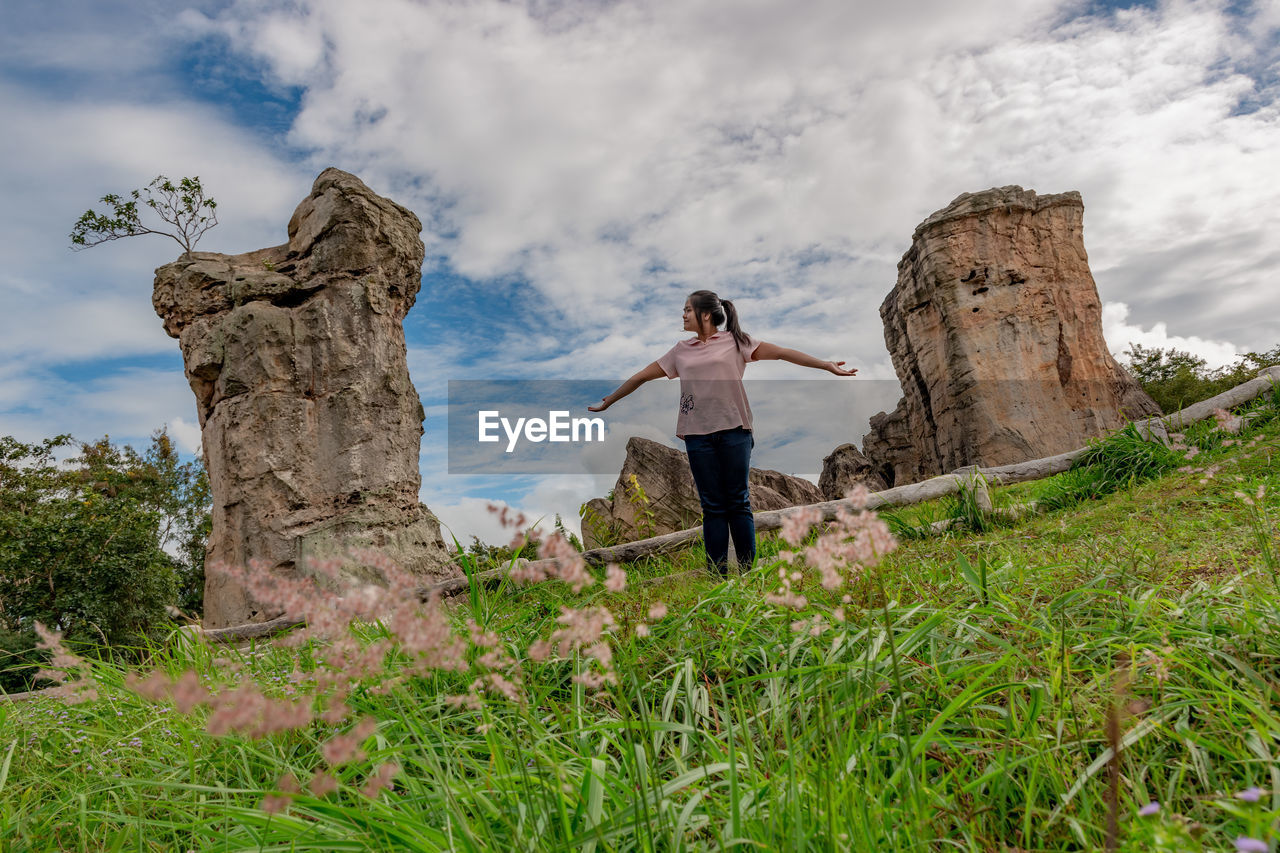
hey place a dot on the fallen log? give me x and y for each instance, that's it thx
(1227, 400)
(252, 631)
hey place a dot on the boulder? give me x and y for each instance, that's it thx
(995, 330)
(670, 501)
(310, 425)
(845, 468)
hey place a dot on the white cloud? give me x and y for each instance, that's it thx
(1120, 334)
(582, 147)
(186, 434)
(467, 517)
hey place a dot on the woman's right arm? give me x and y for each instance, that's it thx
(653, 371)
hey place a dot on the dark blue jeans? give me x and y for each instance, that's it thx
(720, 462)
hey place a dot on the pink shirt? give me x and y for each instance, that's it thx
(712, 396)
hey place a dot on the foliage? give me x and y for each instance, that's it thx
(568, 535)
(182, 206)
(646, 520)
(601, 529)
(18, 660)
(1119, 461)
(484, 556)
(1176, 379)
(964, 508)
(82, 544)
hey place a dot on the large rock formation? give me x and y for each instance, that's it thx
(311, 427)
(664, 476)
(995, 329)
(844, 468)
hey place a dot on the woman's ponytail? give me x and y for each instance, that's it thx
(731, 322)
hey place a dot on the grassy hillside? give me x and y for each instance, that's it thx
(973, 697)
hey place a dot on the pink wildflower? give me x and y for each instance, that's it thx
(570, 566)
(814, 626)
(797, 523)
(506, 517)
(526, 571)
(480, 637)
(500, 684)
(657, 611)
(580, 628)
(465, 700)
(64, 663)
(602, 652)
(381, 780)
(273, 804)
(1157, 663)
(539, 651)
(615, 579)
(642, 630)
(595, 680)
(321, 784)
(859, 496)
(785, 596)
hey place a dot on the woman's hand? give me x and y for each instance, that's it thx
(837, 367)
(652, 371)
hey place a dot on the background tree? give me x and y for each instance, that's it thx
(1176, 379)
(96, 547)
(182, 206)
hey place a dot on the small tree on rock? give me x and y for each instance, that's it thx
(182, 205)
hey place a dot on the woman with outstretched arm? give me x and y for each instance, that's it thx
(715, 417)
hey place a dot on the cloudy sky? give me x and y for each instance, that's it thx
(581, 166)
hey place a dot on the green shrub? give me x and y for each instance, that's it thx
(19, 660)
(1176, 379)
(1119, 461)
(82, 544)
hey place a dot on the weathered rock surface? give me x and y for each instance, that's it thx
(995, 330)
(845, 468)
(663, 473)
(311, 427)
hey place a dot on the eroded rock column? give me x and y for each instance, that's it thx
(995, 330)
(310, 424)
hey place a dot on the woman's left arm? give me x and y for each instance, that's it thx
(767, 351)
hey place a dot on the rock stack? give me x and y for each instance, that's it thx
(310, 425)
(995, 330)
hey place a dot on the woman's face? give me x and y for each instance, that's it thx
(691, 321)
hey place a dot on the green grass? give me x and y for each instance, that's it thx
(961, 705)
